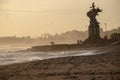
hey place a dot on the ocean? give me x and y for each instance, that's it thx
(9, 56)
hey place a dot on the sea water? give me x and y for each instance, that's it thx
(9, 56)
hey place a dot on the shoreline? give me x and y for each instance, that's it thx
(96, 67)
(52, 54)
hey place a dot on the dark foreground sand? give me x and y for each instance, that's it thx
(97, 67)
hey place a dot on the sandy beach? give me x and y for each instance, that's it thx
(96, 67)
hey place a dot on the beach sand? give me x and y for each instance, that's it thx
(96, 67)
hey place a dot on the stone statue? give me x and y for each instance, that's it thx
(94, 24)
(94, 38)
(93, 12)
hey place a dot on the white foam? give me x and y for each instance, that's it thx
(19, 57)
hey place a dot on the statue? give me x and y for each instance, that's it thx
(93, 12)
(94, 38)
(94, 24)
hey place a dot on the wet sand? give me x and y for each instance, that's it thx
(96, 67)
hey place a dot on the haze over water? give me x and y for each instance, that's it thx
(8, 57)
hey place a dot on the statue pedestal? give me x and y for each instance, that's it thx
(94, 41)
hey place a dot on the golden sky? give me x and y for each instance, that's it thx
(34, 17)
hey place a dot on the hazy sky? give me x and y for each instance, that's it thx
(34, 17)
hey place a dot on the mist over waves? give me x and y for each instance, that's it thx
(9, 56)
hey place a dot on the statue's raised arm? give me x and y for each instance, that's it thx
(93, 5)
